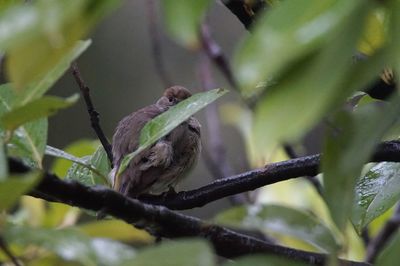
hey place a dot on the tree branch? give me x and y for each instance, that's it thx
(162, 221)
(214, 52)
(93, 114)
(270, 174)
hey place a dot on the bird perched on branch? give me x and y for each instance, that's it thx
(160, 167)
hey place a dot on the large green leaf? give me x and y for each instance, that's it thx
(376, 192)
(347, 148)
(38, 88)
(288, 33)
(167, 121)
(177, 253)
(183, 19)
(264, 260)
(43, 107)
(71, 245)
(283, 221)
(289, 109)
(37, 36)
(12, 188)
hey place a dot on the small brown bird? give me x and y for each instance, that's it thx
(161, 166)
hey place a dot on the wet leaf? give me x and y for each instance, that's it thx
(91, 170)
(28, 141)
(43, 107)
(77, 149)
(347, 148)
(167, 121)
(281, 220)
(183, 19)
(376, 192)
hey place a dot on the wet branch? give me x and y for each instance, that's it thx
(161, 221)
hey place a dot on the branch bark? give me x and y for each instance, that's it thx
(161, 221)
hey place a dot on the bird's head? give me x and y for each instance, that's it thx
(176, 94)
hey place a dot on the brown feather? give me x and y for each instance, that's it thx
(167, 161)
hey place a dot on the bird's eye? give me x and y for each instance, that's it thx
(171, 99)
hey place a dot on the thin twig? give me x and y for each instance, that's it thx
(215, 154)
(7, 252)
(155, 43)
(93, 114)
(163, 222)
(377, 244)
(214, 52)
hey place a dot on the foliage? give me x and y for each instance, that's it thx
(297, 63)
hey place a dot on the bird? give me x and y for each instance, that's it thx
(159, 168)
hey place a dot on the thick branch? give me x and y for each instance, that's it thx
(93, 114)
(162, 221)
(270, 174)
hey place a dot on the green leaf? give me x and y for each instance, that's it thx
(183, 19)
(52, 151)
(37, 89)
(91, 170)
(390, 254)
(167, 121)
(283, 221)
(29, 142)
(347, 148)
(12, 188)
(287, 34)
(37, 36)
(301, 99)
(117, 230)
(71, 245)
(376, 192)
(43, 107)
(263, 260)
(77, 149)
(178, 253)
